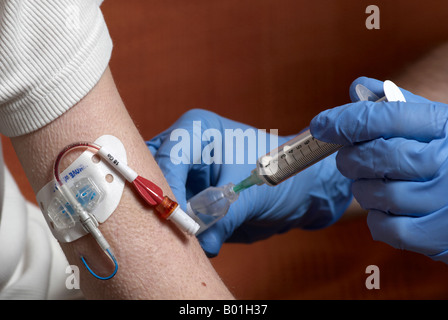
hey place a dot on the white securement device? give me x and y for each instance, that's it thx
(95, 185)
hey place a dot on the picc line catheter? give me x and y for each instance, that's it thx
(150, 192)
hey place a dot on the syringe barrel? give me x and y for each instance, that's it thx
(292, 157)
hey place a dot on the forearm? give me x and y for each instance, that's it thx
(155, 259)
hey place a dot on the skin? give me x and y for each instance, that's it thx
(156, 260)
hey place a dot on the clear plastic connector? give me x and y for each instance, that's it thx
(61, 212)
(210, 205)
(88, 194)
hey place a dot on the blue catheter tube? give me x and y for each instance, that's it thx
(97, 276)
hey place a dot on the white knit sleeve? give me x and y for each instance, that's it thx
(52, 53)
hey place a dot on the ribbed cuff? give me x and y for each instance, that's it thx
(58, 93)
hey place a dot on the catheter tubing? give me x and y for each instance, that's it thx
(129, 174)
(86, 219)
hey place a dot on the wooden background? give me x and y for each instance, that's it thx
(275, 64)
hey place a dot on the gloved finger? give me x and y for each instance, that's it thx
(426, 235)
(180, 159)
(155, 143)
(399, 197)
(364, 121)
(395, 158)
(176, 175)
(184, 179)
(213, 238)
(239, 212)
(183, 125)
(376, 87)
(229, 229)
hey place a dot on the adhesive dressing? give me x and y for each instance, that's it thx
(97, 186)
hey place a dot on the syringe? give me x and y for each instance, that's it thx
(282, 163)
(287, 160)
(304, 150)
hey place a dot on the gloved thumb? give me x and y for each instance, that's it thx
(211, 241)
(175, 174)
(376, 87)
(356, 90)
(155, 143)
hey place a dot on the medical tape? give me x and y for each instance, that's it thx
(93, 182)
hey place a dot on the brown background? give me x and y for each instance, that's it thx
(275, 64)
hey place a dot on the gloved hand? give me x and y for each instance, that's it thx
(313, 199)
(396, 153)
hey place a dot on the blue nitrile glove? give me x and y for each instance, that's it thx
(313, 199)
(397, 155)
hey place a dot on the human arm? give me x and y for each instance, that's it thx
(155, 259)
